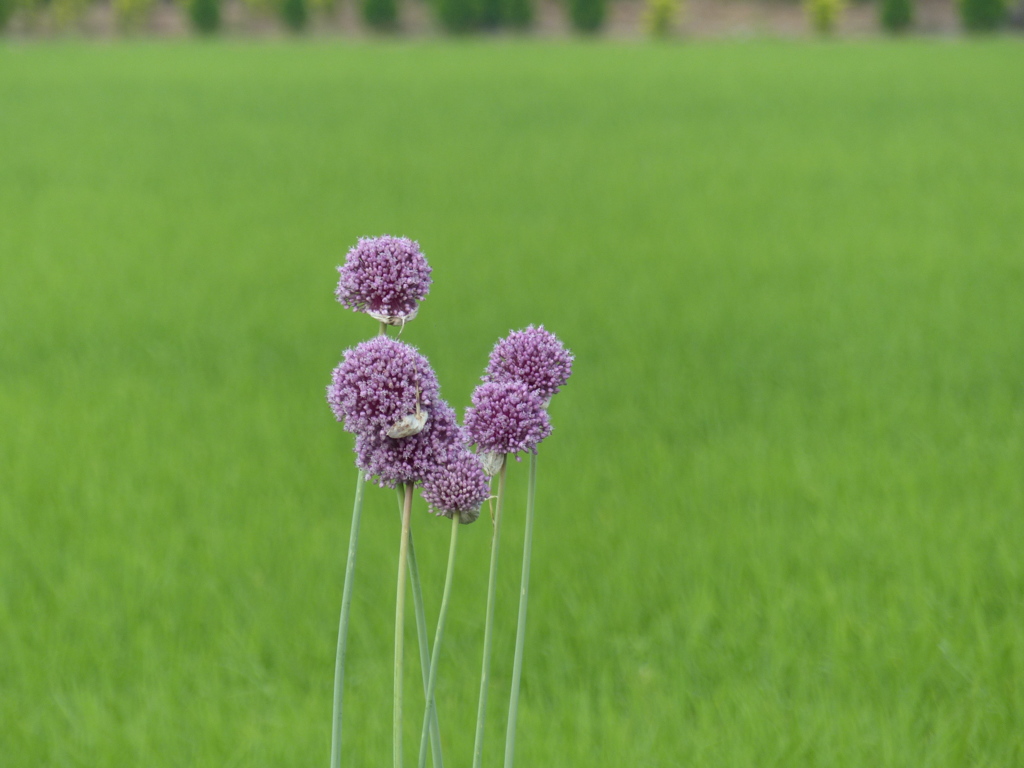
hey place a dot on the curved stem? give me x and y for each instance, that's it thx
(346, 604)
(436, 654)
(421, 635)
(403, 551)
(492, 582)
(524, 593)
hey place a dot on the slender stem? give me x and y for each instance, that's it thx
(436, 654)
(524, 593)
(421, 634)
(346, 604)
(492, 582)
(403, 551)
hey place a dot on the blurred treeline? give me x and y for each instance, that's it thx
(660, 18)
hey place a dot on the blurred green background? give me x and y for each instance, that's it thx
(779, 520)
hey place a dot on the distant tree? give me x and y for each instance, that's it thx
(204, 15)
(982, 15)
(131, 14)
(326, 7)
(1015, 16)
(490, 14)
(294, 14)
(660, 16)
(67, 13)
(28, 11)
(6, 9)
(587, 15)
(456, 15)
(380, 14)
(519, 13)
(823, 14)
(896, 15)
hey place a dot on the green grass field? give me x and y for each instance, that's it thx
(780, 519)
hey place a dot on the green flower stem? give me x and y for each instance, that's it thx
(492, 583)
(421, 634)
(346, 604)
(403, 554)
(524, 593)
(435, 658)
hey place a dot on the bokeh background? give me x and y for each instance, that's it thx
(617, 19)
(779, 519)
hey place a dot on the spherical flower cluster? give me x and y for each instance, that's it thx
(458, 486)
(506, 417)
(380, 382)
(386, 393)
(386, 277)
(409, 459)
(533, 356)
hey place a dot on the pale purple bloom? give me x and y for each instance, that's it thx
(506, 417)
(378, 383)
(533, 356)
(386, 277)
(457, 486)
(409, 459)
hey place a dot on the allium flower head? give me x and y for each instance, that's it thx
(533, 356)
(386, 277)
(410, 459)
(379, 383)
(457, 486)
(506, 417)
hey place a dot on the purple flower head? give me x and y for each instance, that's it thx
(409, 459)
(457, 486)
(380, 383)
(386, 277)
(533, 356)
(506, 417)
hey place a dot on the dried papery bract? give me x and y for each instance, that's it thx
(492, 462)
(411, 424)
